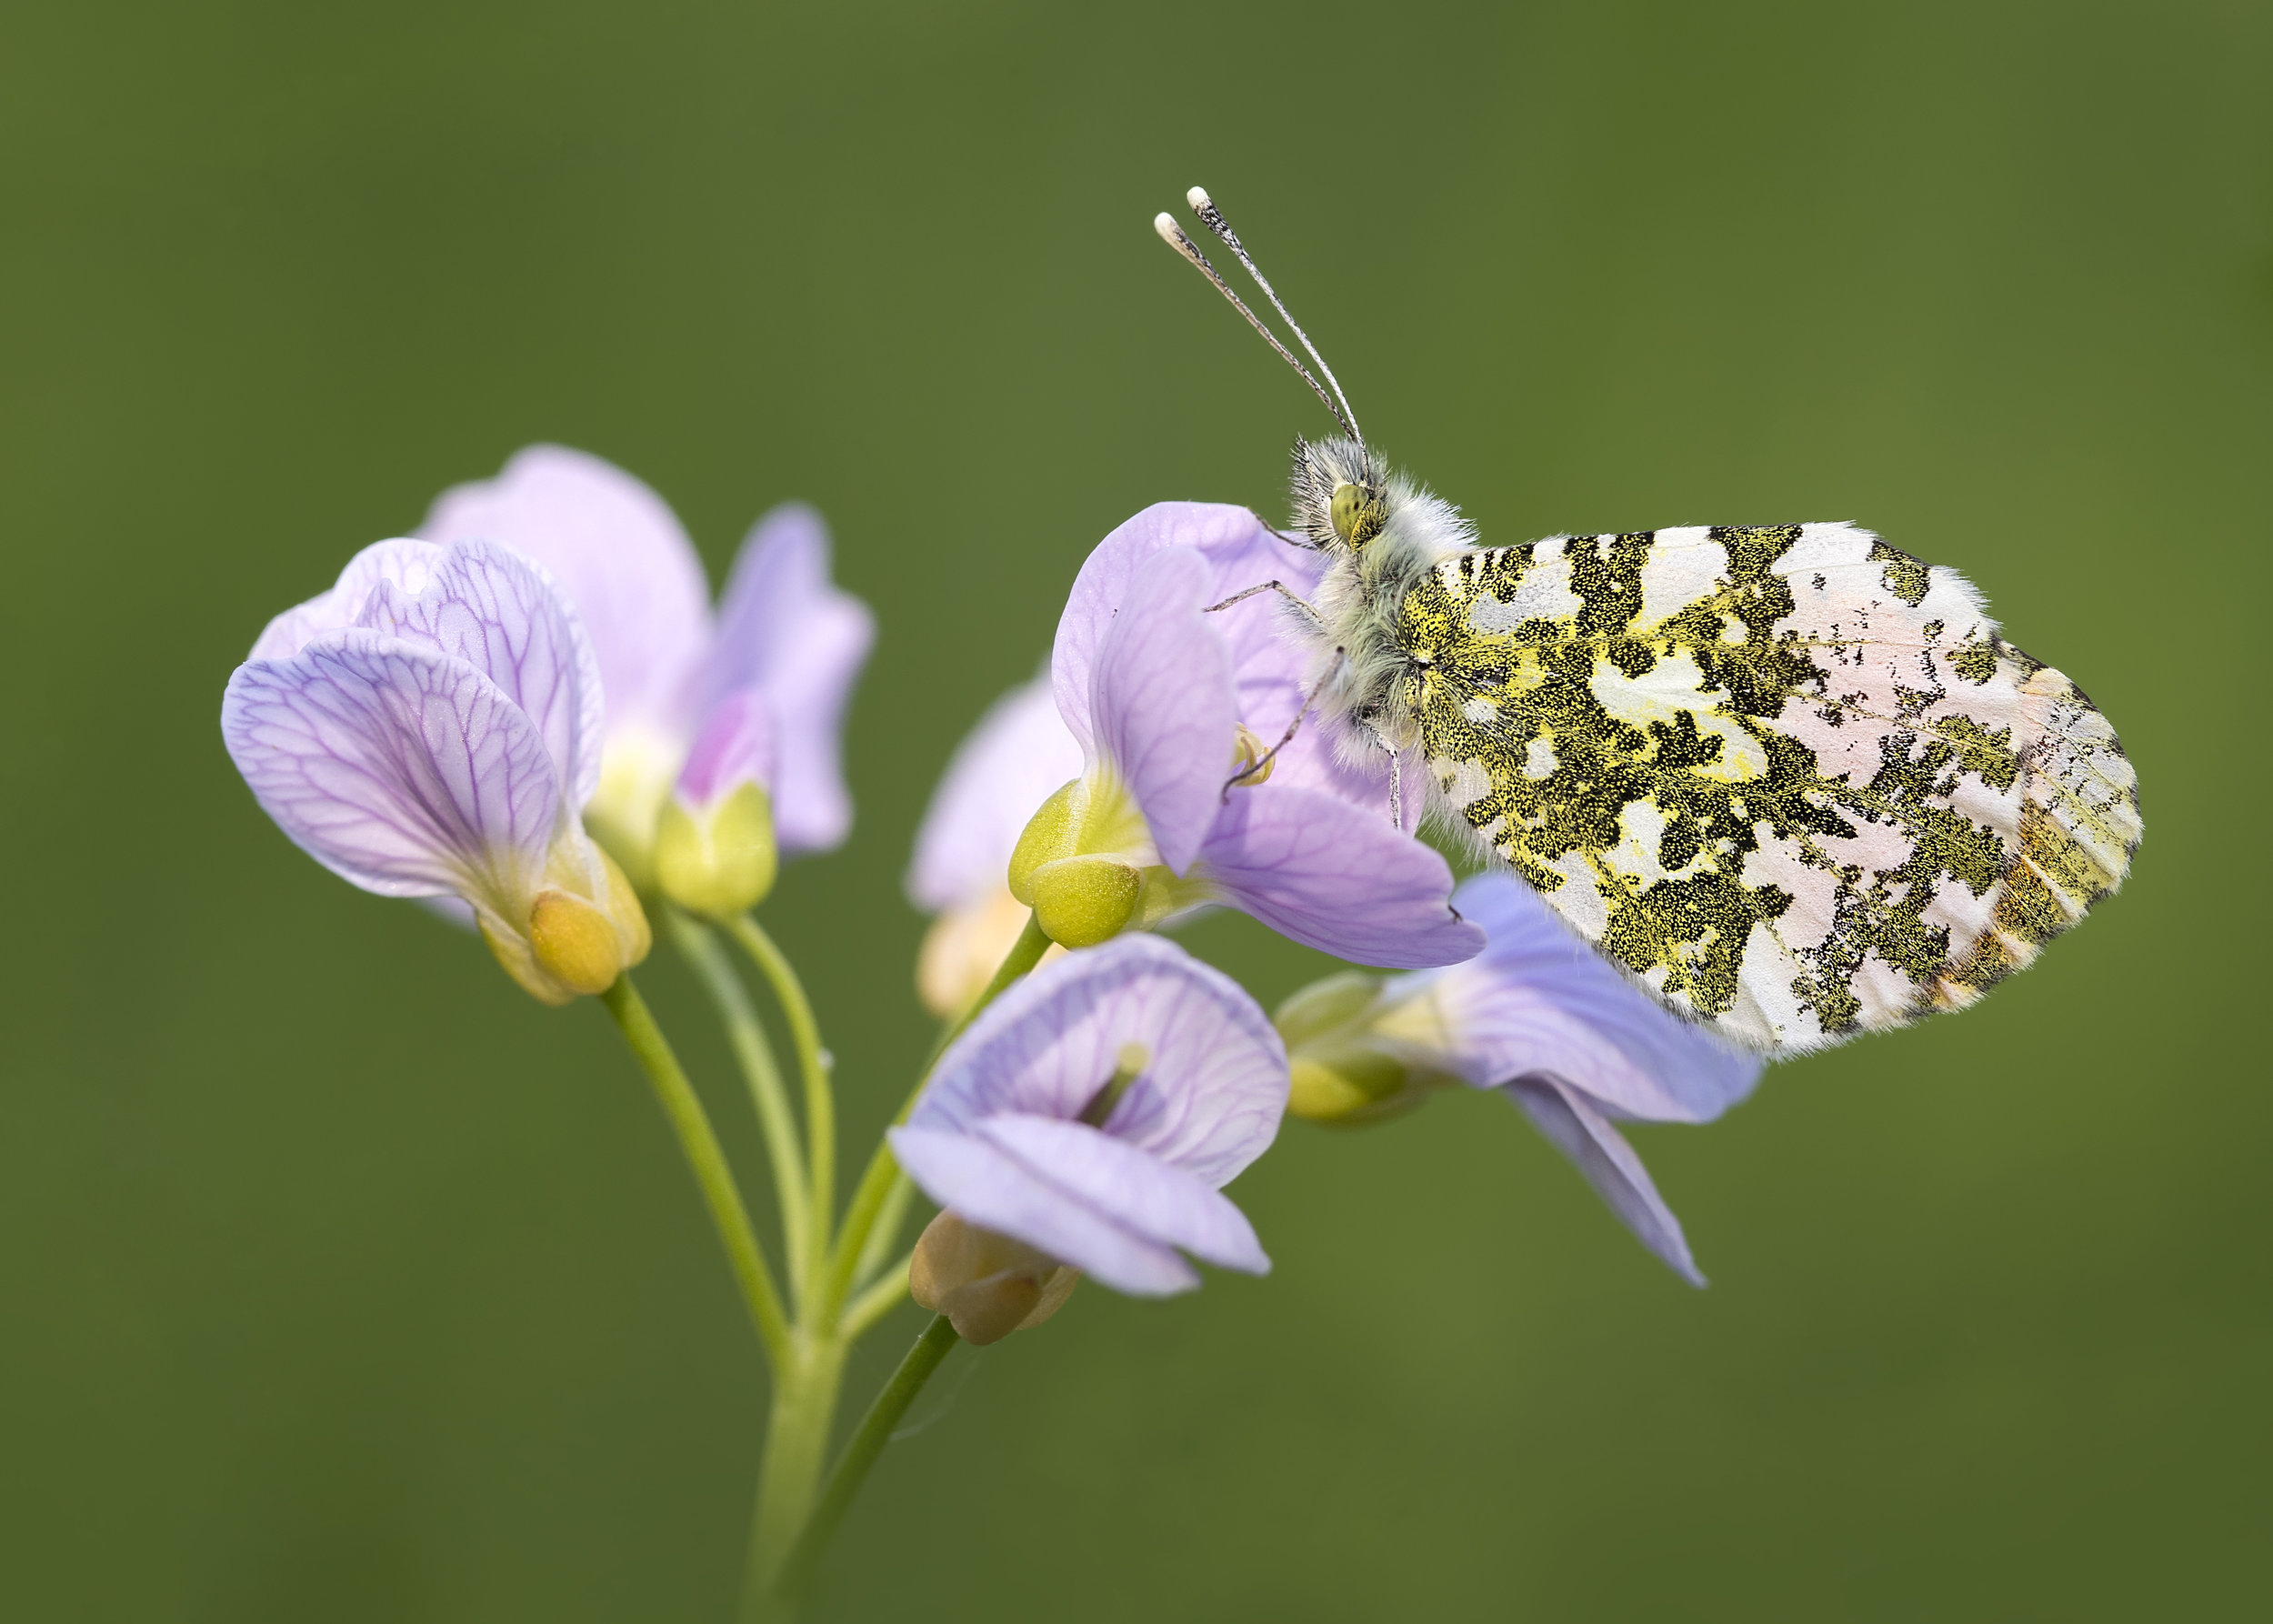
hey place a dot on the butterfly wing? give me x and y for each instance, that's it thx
(1789, 778)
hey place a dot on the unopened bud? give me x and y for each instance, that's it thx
(1079, 902)
(1346, 1085)
(574, 942)
(1337, 1073)
(1050, 835)
(585, 928)
(718, 859)
(987, 1285)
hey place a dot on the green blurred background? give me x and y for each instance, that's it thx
(344, 1282)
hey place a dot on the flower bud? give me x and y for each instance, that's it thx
(1053, 832)
(987, 1285)
(585, 926)
(720, 858)
(1081, 901)
(1339, 1070)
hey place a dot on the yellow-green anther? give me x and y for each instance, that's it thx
(1050, 835)
(722, 861)
(1246, 750)
(1081, 901)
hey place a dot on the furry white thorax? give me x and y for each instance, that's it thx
(1356, 664)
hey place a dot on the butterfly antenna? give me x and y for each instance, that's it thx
(1173, 234)
(1212, 218)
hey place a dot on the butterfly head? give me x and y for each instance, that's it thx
(1342, 494)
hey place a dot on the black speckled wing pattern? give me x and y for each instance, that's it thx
(1789, 777)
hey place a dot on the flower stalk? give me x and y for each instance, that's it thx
(768, 1098)
(938, 1341)
(820, 1102)
(707, 1160)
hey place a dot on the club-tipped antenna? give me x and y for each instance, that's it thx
(1212, 218)
(1173, 234)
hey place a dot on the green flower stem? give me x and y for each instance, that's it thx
(771, 1099)
(789, 1475)
(863, 1312)
(820, 1102)
(875, 1184)
(852, 1467)
(886, 1235)
(684, 1110)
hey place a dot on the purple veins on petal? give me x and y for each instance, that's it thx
(1333, 876)
(405, 564)
(1159, 704)
(502, 615)
(405, 771)
(999, 1137)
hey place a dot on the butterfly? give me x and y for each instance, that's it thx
(1789, 779)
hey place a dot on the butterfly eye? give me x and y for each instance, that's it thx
(1357, 515)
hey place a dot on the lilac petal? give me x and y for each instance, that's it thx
(1271, 670)
(1568, 1119)
(502, 615)
(1136, 1190)
(400, 769)
(1336, 877)
(988, 1186)
(1538, 1001)
(1017, 756)
(618, 552)
(405, 564)
(786, 629)
(734, 747)
(1210, 1098)
(1160, 707)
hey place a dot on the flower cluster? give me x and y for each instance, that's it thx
(531, 714)
(723, 728)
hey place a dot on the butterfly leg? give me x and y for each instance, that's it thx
(1280, 587)
(1256, 770)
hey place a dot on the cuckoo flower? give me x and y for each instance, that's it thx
(1168, 701)
(1009, 764)
(778, 659)
(1538, 1016)
(1092, 1116)
(431, 727)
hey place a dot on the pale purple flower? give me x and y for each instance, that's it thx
(1546, 1021)
(1163, 696)
(786, 644)
(1000, 1138)
(1008, 764)
(431, 727)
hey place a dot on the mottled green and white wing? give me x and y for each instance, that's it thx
(1789, 778)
